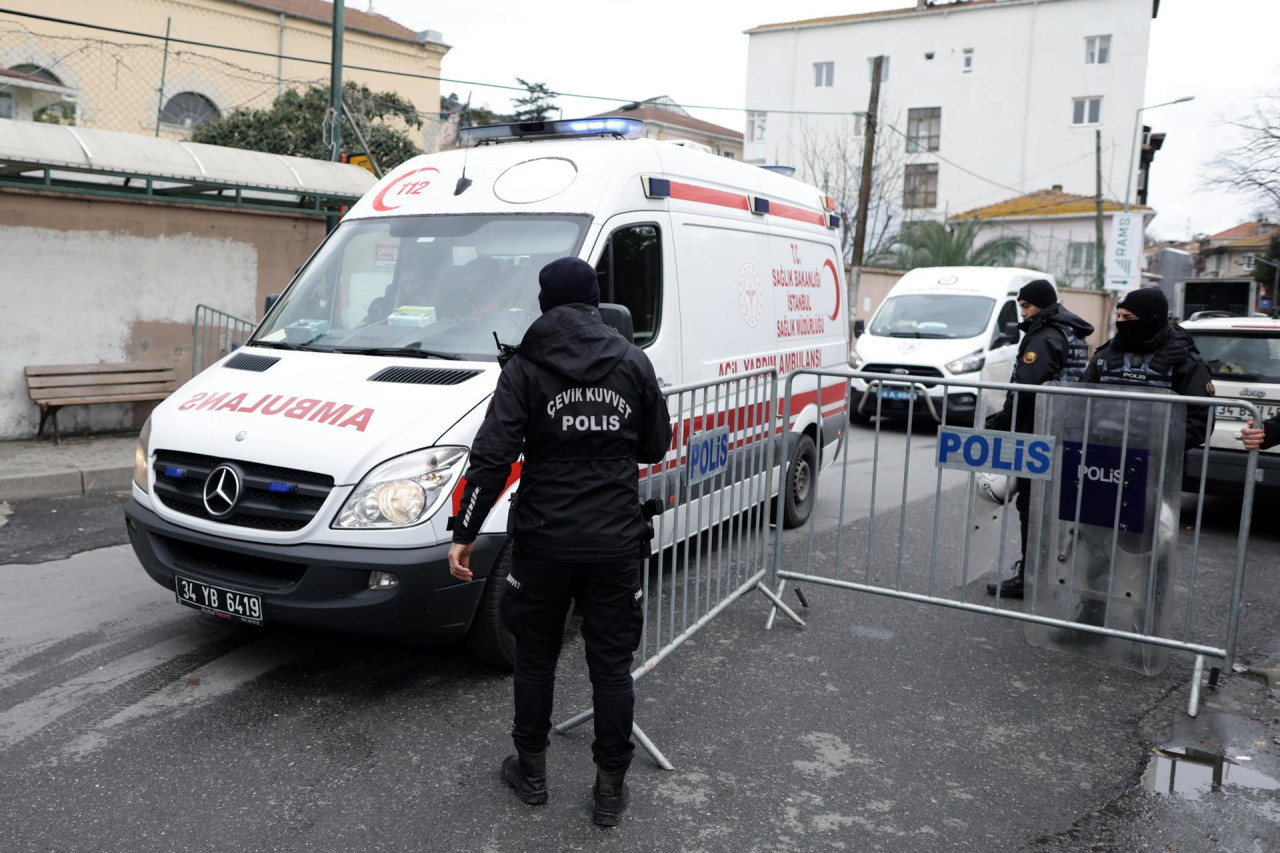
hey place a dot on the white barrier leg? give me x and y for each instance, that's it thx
(779, 604)
(653, 751)
(1193, 705)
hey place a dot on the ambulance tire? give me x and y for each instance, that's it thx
(488, 639)
(802, 468)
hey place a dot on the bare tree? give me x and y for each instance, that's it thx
(1253, 167)
(830, 155)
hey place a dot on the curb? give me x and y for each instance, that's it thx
(65, 483)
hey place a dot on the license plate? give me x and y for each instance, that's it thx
(227, 603)
(896, 394)
(1235, 413)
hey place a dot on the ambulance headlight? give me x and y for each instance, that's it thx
(967, 363)
(404, 491)
(856, 361)
(142, 457)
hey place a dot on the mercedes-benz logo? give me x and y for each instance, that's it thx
(221, 491)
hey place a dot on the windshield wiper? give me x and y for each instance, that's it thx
(410, 350)
(917, 335)
(275, 345)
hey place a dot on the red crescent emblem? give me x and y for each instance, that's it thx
(379, 201)
(836, 276)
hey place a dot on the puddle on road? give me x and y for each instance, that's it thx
(1192, 773)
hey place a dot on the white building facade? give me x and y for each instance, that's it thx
(986, 98)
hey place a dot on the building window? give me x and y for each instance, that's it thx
(920, 185)
(188, 109)
(968, 60)
(884, 68)
(1080, 257)
(6, 105)
(1097, 50)
(1248, 262)
(630, 274)
(824, 73)
(924, 128)
(755, 126)
(1086, 110)
(730, 155)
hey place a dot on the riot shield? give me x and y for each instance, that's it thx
(1103, 535)
(993, 533)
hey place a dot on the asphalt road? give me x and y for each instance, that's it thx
(130, 723)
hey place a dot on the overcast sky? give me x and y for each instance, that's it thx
(696, 52)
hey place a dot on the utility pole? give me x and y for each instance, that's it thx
(864, 189)
(1099, 261)
(334, 118)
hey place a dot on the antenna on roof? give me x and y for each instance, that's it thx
(464, 181)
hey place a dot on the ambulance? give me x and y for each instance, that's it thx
(309, 477)
(942, 322)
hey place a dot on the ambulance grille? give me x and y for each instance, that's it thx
(180, 479)
(248, 361)
(424, 375)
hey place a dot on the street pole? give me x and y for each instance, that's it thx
(1133, 140)
(868, 157)
(335, 79)
(164, 69)
(1098, 261)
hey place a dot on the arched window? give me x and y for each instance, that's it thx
(188, 109)
(37, 72)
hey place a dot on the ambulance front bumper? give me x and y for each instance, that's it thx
(321, 586)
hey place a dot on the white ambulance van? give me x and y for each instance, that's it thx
(1243, 354)
(952, 322)
(309, 477)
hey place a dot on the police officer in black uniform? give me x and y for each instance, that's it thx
(583, 406)
(1053, 348)
(1149, 350)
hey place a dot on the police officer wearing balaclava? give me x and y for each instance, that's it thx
(583, 406)
(1053, 349)
(1149, 350)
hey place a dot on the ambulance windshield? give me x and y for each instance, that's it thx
(933, 315)
(439, 285)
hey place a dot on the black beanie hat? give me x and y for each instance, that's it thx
(1146, 303)
(566, 281)
(1039, 293)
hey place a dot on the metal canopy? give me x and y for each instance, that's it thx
(34, 155)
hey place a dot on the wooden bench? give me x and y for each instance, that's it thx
(52, 386)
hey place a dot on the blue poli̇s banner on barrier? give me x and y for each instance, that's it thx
(1102, 474)
(1011, 454)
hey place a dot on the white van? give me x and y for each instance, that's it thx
(309, 478)
(1243, 354)
(953, 322)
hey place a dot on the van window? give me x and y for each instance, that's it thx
(933, 315)
(630, 271)
(1008, 314)
(442, 283)
(1240, 357)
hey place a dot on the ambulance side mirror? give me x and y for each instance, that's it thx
(271, 300)
(619, 316)
(859, 327)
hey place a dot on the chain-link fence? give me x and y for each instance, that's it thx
(104, 80)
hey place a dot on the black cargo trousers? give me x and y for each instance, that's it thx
(534, 608)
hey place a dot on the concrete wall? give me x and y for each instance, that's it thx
(85, 281)
(1007, 120)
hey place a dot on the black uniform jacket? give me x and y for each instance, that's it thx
(584, 407)
(1187, 373)
(1052, 345)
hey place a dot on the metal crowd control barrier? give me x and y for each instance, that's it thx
(214, 334)
(1104, 575)
(712, 541)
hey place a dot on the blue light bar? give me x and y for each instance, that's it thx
(625, 128)
(283, 488)
(175, 473)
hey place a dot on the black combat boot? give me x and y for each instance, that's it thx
(527, 773)
(611, 796)
(1010, 588)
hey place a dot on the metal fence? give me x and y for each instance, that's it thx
(712, 542)
(214, 334)
(1114, 566)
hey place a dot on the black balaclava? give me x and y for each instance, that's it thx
(567, 281)
(1039, 293)
(1152, 310)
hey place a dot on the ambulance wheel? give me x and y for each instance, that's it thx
(487, 638)
(802, 468)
